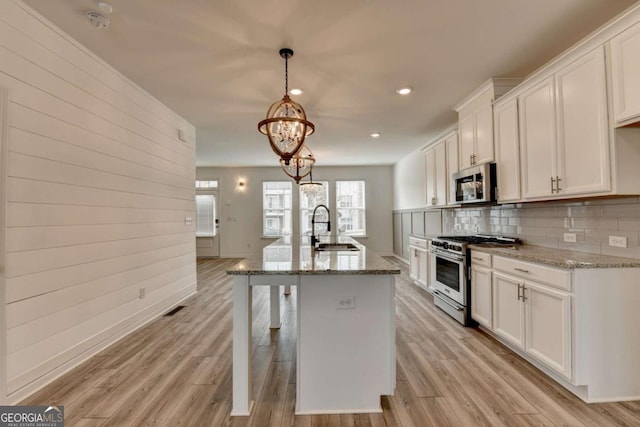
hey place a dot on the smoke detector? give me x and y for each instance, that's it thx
(97, 19)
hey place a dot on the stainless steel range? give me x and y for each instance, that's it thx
(452, 284)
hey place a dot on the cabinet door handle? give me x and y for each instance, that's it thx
(520, 269)
(471, 159)
(553, 188)
(433, 201)
(524, 295)
(519, 295)
(558, 184)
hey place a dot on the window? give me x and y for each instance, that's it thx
(206, 185)
(350, 208)
(308, 202)
(206, 208)
(205, 215)
(276, 208)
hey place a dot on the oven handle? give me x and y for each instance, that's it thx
(449, 257)
(447, 302)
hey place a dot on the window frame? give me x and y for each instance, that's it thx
(284, 210)
(327, 185)
(351, 208)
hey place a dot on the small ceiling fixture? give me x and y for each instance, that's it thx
(405, 90)
(300, 164)
(97, 19)
(375, 135)
(296, 91)
(311, 188)
(286, 124)
(105, 7)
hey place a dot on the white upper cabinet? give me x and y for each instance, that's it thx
(475, 122)
(466, 126)
(436, 175)
(451, 143)
(564, 139)
(625, 76)
(484, 135)
(583, 131)
(440, 159)
(441, 174)
(507, 140)
(538, 140)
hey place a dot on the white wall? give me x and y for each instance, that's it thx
(98, 187)
(241, 212)
(409, 191)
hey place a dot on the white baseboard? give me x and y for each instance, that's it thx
(56, 366)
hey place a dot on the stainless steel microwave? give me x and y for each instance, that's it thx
(476, 184)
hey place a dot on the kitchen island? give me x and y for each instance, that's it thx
(345, 324)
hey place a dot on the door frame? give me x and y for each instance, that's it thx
(4, 103)
(216, 239)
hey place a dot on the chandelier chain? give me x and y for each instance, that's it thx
(286, 75)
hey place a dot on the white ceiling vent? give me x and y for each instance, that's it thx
(98, 20)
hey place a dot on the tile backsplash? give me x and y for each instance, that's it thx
(545, 223)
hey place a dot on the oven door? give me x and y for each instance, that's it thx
(450, 276)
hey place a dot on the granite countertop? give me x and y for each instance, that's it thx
(292, 255)
(558, 257)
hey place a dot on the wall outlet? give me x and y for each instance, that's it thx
(570, 237)
(618, 241)
(143, 293)
(345, 303)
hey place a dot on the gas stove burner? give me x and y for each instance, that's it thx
(482, 238)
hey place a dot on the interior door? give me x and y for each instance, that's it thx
(207, 224)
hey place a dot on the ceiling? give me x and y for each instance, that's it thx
(216, 63)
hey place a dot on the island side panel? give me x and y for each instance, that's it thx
(242, 322)
(346, 356)
(606, 333)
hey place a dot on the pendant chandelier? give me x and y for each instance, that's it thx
(311, 188)
(286, 125)
(299, 165)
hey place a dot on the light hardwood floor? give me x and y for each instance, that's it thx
(177, 371)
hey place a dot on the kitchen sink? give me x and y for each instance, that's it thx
(337, 247)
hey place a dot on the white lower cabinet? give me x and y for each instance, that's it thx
(534, 317)
(508, 311)
(482, 299)
(418, 261)
(548, 326)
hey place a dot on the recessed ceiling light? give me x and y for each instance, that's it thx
(295, 91)
(375, 135)
(404, 90)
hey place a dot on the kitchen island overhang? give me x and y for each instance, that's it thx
(345, 322)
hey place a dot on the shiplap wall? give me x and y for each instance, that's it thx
(98, 187)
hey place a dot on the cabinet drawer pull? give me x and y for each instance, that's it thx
(521, 270)
(477, 258)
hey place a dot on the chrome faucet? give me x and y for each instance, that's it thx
(314, 239)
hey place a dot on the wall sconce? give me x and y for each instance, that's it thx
(241, 185)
